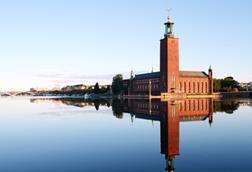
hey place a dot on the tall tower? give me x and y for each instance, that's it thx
(169, 60)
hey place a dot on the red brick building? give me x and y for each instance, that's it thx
(170, 79)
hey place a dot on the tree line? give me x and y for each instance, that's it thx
(227, 84)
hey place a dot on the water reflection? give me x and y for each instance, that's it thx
(170, 114)
(74, 102)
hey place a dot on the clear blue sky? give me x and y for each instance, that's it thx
(49, 42)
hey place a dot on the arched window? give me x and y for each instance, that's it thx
(184, 87)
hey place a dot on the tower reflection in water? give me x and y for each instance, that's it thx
(170, 114)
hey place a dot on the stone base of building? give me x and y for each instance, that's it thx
(174, 96)
(171, 96)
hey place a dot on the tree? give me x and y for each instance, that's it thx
(217, 85)
(117, 84)
(227, 84)
(97, 88)
(117, 108)
(229, 78)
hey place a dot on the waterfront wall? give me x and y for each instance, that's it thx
(167, 96)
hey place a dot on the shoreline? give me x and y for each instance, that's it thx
(163, 97)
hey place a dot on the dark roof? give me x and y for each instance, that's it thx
(148, 76)
(198, 74)
(192, 74)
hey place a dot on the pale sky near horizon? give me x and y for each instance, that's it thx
(59, 42)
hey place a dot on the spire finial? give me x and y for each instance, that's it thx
(131, 74)
(169, 19)
(169, 11)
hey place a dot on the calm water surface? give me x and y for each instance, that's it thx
(69, 135)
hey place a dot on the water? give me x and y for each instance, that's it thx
(73, 135)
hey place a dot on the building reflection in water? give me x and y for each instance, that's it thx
(170, 114)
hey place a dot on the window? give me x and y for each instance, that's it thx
(194, 87)
(198, 87)
(189, 105)
(206, 88)
(189, 87)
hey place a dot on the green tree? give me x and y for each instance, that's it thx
(117, 84)
(117, 108)
(97, 88)
(217, 85)
(227, 84)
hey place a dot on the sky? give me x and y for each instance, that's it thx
(45, 43)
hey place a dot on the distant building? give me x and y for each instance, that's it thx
(56, 88)
(33, 90)
(105, 86)
(75, 87)
(250, 86)
(42, 89)
(245, 86)
(170, 79)
(83, 87)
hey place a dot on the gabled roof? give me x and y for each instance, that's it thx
(192, 74)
